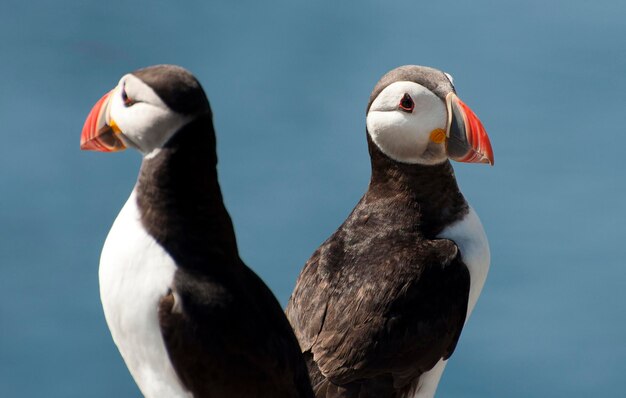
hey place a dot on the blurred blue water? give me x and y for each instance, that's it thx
(288, 84)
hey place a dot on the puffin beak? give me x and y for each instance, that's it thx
(467, 140)
(100, 133)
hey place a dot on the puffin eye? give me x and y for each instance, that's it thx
(406, 103)
(126, 99)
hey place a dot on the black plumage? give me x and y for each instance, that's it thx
(224, 330)
(383, 299)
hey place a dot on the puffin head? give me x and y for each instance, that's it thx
(144, 110)
(414, 116)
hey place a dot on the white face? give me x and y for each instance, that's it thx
(408, 129)
(145, 121)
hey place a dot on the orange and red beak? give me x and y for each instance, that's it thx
(100, 133)
(467, 140)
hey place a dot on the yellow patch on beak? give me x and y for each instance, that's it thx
(438, 136)
(116, 129)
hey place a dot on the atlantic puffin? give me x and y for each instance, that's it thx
(190, 319)
(380, 305)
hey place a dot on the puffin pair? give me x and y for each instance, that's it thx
(378, 308)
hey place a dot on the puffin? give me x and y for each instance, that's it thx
(189, 318)
(380, 305)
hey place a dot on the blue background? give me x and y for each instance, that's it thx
(289, 84)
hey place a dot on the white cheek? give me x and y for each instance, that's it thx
(143, 124)
(148, 126)
(396, 135)
(403, 136)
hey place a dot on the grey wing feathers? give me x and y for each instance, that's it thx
(395, 321)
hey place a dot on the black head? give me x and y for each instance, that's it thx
(438, 82)
(415, 117)
(145, 110)
(176, 86)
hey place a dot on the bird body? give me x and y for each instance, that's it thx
(380, 305)
(188, 316)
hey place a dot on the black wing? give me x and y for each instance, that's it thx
(228, 337)
(373, 323)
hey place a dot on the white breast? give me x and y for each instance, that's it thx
(469, 236)
(135, 272)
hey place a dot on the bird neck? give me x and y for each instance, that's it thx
(424, 197)
(180, 200)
